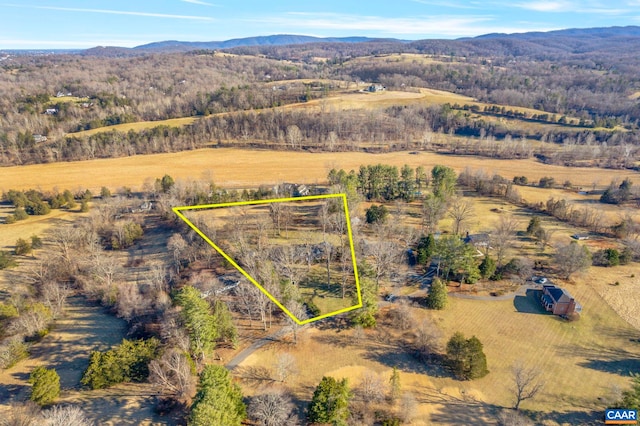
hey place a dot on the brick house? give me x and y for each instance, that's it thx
(558, 301)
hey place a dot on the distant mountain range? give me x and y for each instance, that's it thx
(570, 40)
(273, 40)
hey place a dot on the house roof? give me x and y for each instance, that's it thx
(477, 238)
(556, 292)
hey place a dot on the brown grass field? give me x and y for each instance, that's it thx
(346, 98)
(233, 167)
(141, 125)
(85, 328)
(581, 361)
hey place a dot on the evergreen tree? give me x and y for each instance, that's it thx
(426, 248)
(224, 323)
(377, 214)
(330, 402)
(218, 401)
(443, 180)
(366, 317)
(46, 385)
(127, 362)
(534, 225)
(487, 267)
(407, 184)
(457, 257)
(198, 320)
(631, 398)
(394, 385)
(466, 357)
(437, 297)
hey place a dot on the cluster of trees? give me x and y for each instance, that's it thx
(204, 327)
(620, 194)
(37, 203)
(127, 362)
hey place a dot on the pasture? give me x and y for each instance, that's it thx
(581, 362)
(242, 168)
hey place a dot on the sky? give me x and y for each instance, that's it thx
(73, 24)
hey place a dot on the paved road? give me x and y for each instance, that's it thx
(522, 291)
(244, 354)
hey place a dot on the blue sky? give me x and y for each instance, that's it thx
(36, 24)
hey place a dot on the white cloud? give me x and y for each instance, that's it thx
(427, 26)
(590, 7)
(445, 4)
(115, 12)
(202, 3)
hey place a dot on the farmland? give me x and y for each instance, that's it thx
(240, 168)
(470, 177)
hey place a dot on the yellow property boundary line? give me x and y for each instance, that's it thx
(178, 211)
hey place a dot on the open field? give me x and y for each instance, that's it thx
(85, 328)
(140, 125)
(232, 167)
(34, 225)
(588, 358)
(344, 97)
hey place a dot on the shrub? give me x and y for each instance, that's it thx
(127, 362)
(546, 182)
(12, 351)
(377, 214)
(6, 260)
(36, 242)
(20, 214)
(23, 247)
(520, 180)
(46, 385)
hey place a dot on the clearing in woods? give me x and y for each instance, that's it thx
(349, 99)
(303, 241)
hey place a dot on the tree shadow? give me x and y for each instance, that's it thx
(623, 367)
(465, 411)
(254, 375)
(407, 360)
(12, 392)
(529, 303)
(578, 418)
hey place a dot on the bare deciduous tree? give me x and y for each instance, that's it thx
(503, 236)
(54, 297)
(373, 387)
(65, 415)
(172, 373)
(408, 407)
(527, 383)
(428, 338)
(461, 211)
(271, 408)
(433, 210)
(284, 367)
